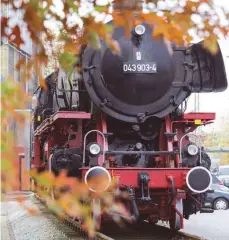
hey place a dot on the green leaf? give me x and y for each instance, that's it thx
(6, 164)
(67, 60)
(100, 8)
(94, 39)
(53, 206)
(73, 6)
(108, 28)
(8, 88)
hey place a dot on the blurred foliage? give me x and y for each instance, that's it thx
(59, 38)
(216, 140)
(13, 97)
(177, 21)
(66, 195)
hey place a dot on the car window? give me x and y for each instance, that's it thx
(224, 171)
(215, 179)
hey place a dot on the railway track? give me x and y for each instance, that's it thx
(110, 231)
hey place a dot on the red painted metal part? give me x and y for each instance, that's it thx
(76, 142)
(181, 217)
(162, 146)
(60, 117)
(101, 125)
(188, 120)
(70, 115)
(37, 153)
(170, 144)
(168, 128)
(158, 176)
(50, 131)
(199, 115)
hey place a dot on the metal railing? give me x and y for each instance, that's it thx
(84, 145)
(199, 145)
(217, 150)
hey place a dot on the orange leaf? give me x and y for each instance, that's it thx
(15, 36)
(31, 211)
(210, 44)
(4, 23)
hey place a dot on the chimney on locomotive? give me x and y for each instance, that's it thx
(134, 5)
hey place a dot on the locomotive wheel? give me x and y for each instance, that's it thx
(175, 221)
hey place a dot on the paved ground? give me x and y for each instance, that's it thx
(17, 224)
(212, 226)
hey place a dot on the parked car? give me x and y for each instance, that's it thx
(216, 180)
(219, 199)
(223, 174)
(217, 184)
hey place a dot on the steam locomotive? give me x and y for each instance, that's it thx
(123, 116)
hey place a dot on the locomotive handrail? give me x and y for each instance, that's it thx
(140, 152)
(222, 150)
(84, 143)
(199, 147)
(65, 90)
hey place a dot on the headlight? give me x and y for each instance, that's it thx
(140, 30)
(192, 149)
(94, 149)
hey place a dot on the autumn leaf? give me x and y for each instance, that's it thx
(46, 179)
(4, 24)
(100, 8)
(114, 46)
(15, 36)
(211, 44)
(67, 60)
(31, 211)
(94, 40)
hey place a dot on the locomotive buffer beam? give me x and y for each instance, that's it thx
(152, 153)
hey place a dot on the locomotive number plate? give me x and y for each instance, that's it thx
(135, 67)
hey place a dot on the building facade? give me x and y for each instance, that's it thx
(9, 56)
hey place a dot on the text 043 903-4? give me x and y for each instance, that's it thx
(150, 67)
